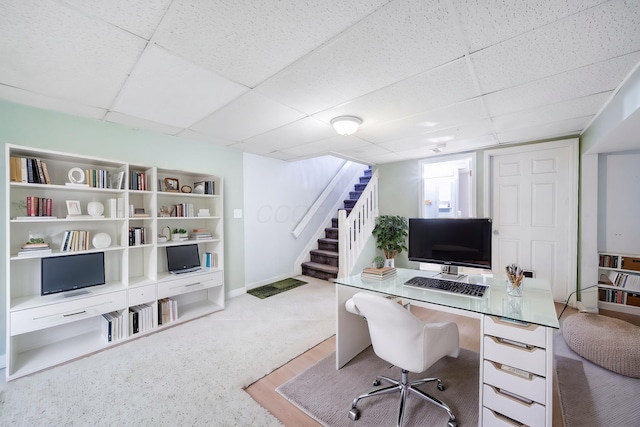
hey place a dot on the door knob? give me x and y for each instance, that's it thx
(496, 232)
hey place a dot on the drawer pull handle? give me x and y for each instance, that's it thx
(506, 419)
(193, 284)
(513, 396)
(515, 344)
(74, 314)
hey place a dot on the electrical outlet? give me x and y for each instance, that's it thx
(237, 213)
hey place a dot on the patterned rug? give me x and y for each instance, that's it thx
(275, 288)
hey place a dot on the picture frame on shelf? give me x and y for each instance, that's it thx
(172, 185)
(73, 207)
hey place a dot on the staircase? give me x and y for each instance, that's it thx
(324, 260)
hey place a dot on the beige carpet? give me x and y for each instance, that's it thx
(326, 393)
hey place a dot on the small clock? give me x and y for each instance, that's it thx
(185, 189)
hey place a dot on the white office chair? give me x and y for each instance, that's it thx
(403, 340)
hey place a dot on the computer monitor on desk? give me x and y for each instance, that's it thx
(451, 242)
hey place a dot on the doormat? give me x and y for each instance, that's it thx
(275, 288)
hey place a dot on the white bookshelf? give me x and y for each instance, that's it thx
(620, 291)
(43, 331)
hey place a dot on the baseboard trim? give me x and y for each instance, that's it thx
(236, 293)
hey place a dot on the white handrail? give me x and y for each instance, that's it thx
(320, 200)
(355, 229)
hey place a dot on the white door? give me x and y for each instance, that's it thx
(533, 204)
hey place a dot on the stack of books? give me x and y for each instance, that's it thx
(378, 273)
(34, 250)
(200, 234)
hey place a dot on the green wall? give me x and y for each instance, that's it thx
(32, 127)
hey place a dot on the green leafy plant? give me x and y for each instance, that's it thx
(378, 262)
(36, 240)
(391, 233)
(179, 231)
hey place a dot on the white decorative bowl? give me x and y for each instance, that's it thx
(101, 240)
(95, 208)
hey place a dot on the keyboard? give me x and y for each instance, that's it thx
(469, 289)
(186, 270)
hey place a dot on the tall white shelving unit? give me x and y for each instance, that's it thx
(623, 294)
(43, 331)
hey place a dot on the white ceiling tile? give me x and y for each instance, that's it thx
(603, 32)
(141, 17)
(297, 133)
(281, 155)
(138, 123)
(581, 107)
(260, 149)
(325, 146)
(596, 78)
(430, 121)
(447, 136)
(488, 22)
(548, 130)
(164, 88)
(442, 86)
(249, 115)
(20, 96)
(403, 39)
(58, 52)
(378, 159)
(190, 134)
(248, 41)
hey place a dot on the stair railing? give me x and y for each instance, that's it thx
(355, 229)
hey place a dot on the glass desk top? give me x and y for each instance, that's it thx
(535, 306)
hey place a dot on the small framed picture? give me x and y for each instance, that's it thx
(73, 207)
(171, 184)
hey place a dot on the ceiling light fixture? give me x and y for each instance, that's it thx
(346, 125)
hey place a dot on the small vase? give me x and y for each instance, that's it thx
(389, 263)
(514, 291)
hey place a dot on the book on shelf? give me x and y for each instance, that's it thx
(208, 186)
(167, 310)
(75, 240)
(26, 253)
(38, 207)
(624, 280)
(378, 273)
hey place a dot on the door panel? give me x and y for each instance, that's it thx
(532, 213)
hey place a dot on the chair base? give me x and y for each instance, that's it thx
(404, 387)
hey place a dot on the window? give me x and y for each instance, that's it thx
(448, 187)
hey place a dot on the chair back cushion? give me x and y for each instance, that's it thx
(402, 339)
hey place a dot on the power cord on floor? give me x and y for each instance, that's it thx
(569, 297)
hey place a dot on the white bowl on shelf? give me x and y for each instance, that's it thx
(95, 208)
(101, 241)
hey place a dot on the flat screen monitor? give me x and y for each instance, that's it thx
(71, 272)
(464, 242)
(183, 258)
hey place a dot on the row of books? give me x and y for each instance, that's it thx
(609, 261)
(183, 210)
(140, 318)
(115, 208)
(102, 178)
(34, 250)
(30, 170)
(39, 206)
(624, 280)
(209, 186)
(75, 240)
(113, 326)
(167, 310)
(137, 181)
(619, 297)
(378, 273)
(136, 236)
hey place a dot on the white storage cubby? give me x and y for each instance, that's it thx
(619, 282)
(43, 331)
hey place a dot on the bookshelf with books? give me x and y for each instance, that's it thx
(86, 205)
(619, 282)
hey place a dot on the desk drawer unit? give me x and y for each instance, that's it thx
(498, 400)
(518, 355)
(142, 295)
(527, 333)
(517, 381)
(188, 284)
(65, 312)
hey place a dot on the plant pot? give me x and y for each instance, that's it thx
(389, 263)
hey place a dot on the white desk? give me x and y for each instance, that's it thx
(527, 322)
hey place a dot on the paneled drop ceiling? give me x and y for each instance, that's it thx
(267, 77)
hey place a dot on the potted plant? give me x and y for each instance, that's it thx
(179, 234)
(391, 233)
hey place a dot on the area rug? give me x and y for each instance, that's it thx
(592, 396)
(325, 393)
(275, 288)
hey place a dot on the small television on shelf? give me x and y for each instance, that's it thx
(71, 272)
(451, 242)
(183, 259)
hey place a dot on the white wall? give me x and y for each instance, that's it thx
(618, 202)
(277, 195)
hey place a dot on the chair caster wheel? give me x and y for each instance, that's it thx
(452, 423)
(354, 414)
(376, 382)
(440, 387)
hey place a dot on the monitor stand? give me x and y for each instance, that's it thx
(75, 293)
(450, 272)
